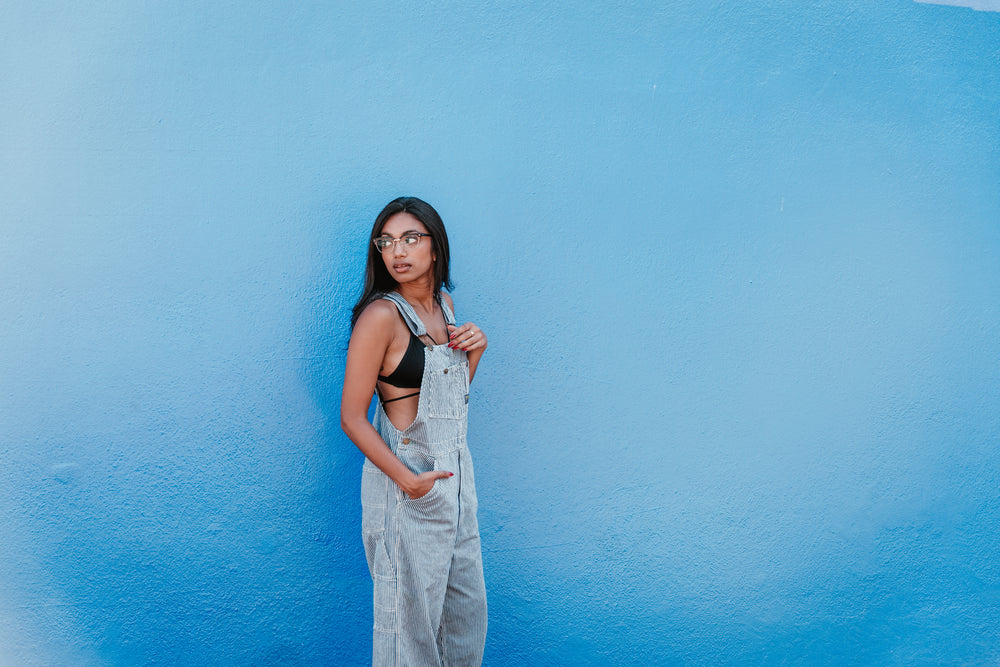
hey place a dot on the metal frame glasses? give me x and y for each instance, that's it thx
(410, 240)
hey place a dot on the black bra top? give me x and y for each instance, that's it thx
(410, 370)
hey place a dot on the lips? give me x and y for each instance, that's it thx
(400, 267)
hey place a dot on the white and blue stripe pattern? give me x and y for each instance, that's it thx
(424, 554)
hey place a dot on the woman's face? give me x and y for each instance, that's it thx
(407, 263)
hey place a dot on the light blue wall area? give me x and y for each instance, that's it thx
(738, 264)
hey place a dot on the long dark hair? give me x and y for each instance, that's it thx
(377, 278)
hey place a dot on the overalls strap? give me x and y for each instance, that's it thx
(410, 316)
(449, 317)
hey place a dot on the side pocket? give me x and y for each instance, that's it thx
(374, 484)
(384, 598)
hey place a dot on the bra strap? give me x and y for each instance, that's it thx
(398, 398)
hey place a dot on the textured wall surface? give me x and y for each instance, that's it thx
(739, 264)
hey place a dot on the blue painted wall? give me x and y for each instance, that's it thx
(738, 264)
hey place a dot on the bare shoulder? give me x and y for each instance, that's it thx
(378, 318)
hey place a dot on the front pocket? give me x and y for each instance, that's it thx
(426, 498)
(428, 511)
(446, 392)
(419, 462)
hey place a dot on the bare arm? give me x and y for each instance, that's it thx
(369, 342)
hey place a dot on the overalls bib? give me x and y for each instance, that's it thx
(424, 554)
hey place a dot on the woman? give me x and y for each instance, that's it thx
(418, 494)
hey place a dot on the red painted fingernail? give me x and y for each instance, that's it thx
(451, 474)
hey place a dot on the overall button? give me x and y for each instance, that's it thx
(406, 441)
(446, 371)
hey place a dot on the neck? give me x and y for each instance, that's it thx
(418, 293)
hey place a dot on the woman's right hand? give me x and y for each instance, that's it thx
(424, 482)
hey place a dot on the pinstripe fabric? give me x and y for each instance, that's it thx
(424, 554)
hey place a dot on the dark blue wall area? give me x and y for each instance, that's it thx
(739, 265)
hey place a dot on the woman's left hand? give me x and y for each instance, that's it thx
(467, 337)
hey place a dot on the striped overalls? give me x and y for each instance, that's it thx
(424, 554)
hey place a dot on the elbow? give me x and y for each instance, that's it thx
(346, 422)
(351, 423)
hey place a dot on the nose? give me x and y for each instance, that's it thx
(398, 248)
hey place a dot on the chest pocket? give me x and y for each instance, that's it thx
(446, 394)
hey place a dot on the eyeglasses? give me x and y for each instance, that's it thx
(410, 240)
